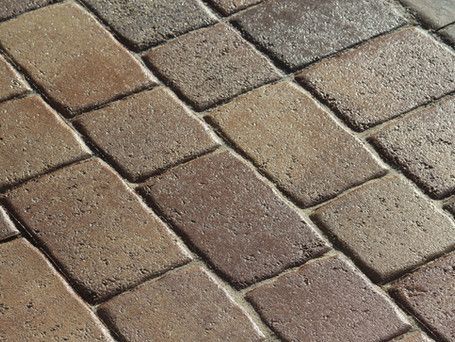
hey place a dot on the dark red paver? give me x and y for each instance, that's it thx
(11, 84)
(12, 8)
(7, 228)
(435, 13)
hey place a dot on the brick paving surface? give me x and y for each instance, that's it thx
(7, 228)
(435, 13)
(10, 82)
(416, 336)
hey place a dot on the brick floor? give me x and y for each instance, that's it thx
(11, 83)
(435, 13)
(448, 33)
(11, 8)
(228, 7)
(7, 228)
(415, 336)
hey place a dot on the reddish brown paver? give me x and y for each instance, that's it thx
(293, 140)
(146, 132)
(235, 220)
(184, 305)
(435, 13)
(12, 8)
(416, 336)
(11, 84)
(7, 228)
(95, 228)
(384, 77)
(327, 300)
(227, 7)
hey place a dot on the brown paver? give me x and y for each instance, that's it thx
(327, 300)
(415, 336)
(33, 139)
(451, 206)
(423, 145)
(146, 132)
(384, 77)
(233, 218)
(387, 227)
(429, 293)
(35, 304)
(184, 305)
(211, 65)
(227, 7)
(12, 8)
(95, 228)
(448, 33)
(7, 228)
(295, 142)
(77, 62)
(435, 13)
(11, 83)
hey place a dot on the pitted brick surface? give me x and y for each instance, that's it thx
(415, 336)
(435, 13)
(228, 7)
(12, 8)
(10, 82)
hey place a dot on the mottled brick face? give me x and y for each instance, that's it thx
(228, 7)
(435, 13)
(10, 82)
(7, 228)
(12, 8)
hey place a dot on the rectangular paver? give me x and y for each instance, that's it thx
(415, 336)
(435, 13)
(227, 7)
(11, 84)
(12, 8)
(7, 228)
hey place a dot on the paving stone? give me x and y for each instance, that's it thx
(451, 206)
(227, 7)
(144, 23)
(415, 336)
(448, 33)
(95, 228)
(295, 142)
(11, 83)
(422, 144)
(233, 218)
(33, 139)
(436, 13)
(146, 133)
(327, 300)
(395, 72)
(183, 305)
(36, 305)
(211, 65)
(297, 32)
(77, 62)
(387, 227)
(7, 228)
(429, 293)
(12, 8)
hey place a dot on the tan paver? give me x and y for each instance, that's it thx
(415, 336)
(11, 84)
(7, 228)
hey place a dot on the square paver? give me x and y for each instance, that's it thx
(435, 13)
(211, 65)
(384, 77)
(227, 7)
(11, 84)
(294, 141)
(416, 336)
(234, 219)
(12, 8)
(7, 228)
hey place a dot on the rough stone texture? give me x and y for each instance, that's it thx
(144, 23)
(146, 133)
(429, 293)
(10, 82)
(33, 139)
(211, 65)
(233, 218)
(435, 13)
(451, 206)
(415, 336)
(77, 62)
(297, 32)
(35, 304)
(448, 33)
(97, 230)
(227, 7)
(7, 228)
(12, 8)
(327, 300)
(295, 142)
(387, 227)
(393, 74)
(184, 305)
(423, 145)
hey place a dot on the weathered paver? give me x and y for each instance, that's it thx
(415, 336)
(387, 227)
(184, 305)
(384, 77)
(77, 62)
(295, 142)
(11, 83)
(211, 65)
(36, 305)
(429, 293)
(146, 132)
(94, 227)
(297, 32)
(33, 139)
(7, 228)
(451, 206)
(233, 218)
(12, 8)
(448, 33)
(227, 7)
(423, 145)
(435, 13)
(327, 300)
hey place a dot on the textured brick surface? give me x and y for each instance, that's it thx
(327, 300)
(7, 228)
(233, 218)
(430, 294)
(33, 140)
(96, 229)
(35, 304)
(415, 336)
(451, 206)
(295, 142)
(387, 226)
(423, 145)
(230, 6)
(146, 132)
(436, 13)
(12, 8)
(392, 74)
(185, 305)
(297, 32)
(211, 65)
(77, 62)
(10, 82)
(448, 33)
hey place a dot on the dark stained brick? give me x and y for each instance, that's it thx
(228, 7)
(7, 228)
(435, 13)
(12, 8)
(415, 336)
(11, 83)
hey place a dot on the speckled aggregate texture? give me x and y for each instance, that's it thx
(7, 228)
(416, 336)
(228, 7)
(435, 13)
(11, 8)
(11, 83)
(448, 33)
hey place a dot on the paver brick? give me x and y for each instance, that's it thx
(448, 33)
(244, 229)
(95, 228)
(294, 141)
(146, 132)
(77, 62)
(387, 227)
(36, 305)
(12, 8)
(183, 305)
(10, 82)
(384, 77)
(327, 300)
(33, 139)
(436, 13)
(423, 145)
(7, 228)
(211, 65)
(451, 206)
(415, 336)
(227, 7)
